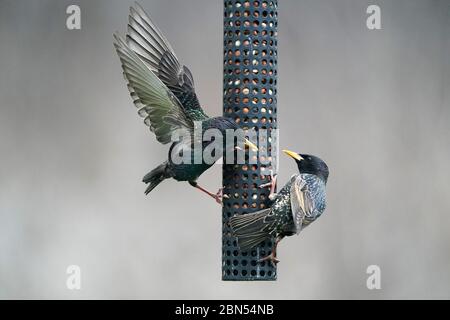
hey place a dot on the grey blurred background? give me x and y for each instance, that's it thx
(374, 104)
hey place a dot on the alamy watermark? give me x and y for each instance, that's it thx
(374, 279)
(73, 21)
(73, 281)
(373, 21)
(236, 146)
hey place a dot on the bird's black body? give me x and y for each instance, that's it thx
(189, 170)
(300, 202)
(163, 91)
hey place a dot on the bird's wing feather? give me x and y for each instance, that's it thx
(148, 42)
(302, 203)
(161, 110)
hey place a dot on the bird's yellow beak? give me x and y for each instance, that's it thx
(294, 155)
(250, 145)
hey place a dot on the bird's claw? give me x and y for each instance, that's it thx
(272, 258)
(265, 185)
(219, 196)
(272, 184)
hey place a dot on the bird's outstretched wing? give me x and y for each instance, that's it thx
(162, 111)
(148, 42)
(302, 203)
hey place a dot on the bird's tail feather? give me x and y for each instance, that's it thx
(249, 229)
(155, 177)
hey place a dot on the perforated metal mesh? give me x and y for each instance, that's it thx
(250, 80)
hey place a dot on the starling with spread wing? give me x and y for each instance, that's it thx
(300, 202)
(163, 91)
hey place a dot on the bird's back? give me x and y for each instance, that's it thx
(281, 210)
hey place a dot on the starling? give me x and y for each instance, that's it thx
(163, 91)
(300, 202)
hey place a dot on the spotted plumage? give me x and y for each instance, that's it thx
(299, 203)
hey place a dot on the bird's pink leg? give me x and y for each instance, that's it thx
(218, 197)
(272, 184)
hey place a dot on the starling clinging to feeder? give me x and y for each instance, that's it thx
(163, 91)
(300, 202)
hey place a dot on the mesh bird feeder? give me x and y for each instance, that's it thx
(250, 81)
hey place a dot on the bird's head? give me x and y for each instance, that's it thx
(309, 164)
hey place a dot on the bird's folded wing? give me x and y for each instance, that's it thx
(162, 111)
(302, 203)
(148, 42)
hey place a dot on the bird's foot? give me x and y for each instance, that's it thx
(272, 258)
(272, 184)
(219, 196)
(265, 185)
(272, 196)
